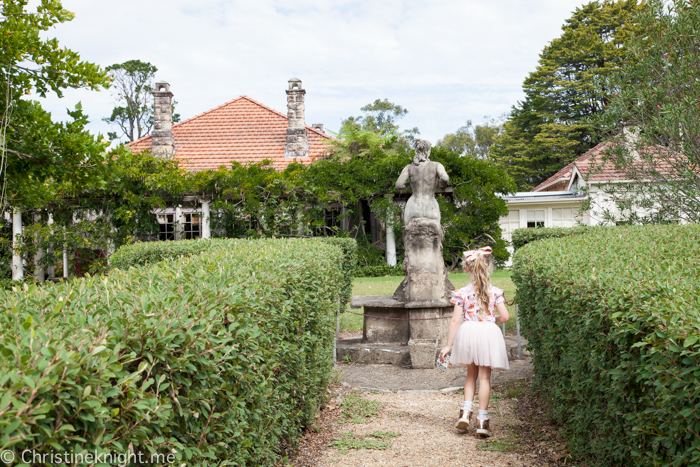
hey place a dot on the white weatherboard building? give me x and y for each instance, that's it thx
(557, 201)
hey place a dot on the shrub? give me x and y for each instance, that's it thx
(349, 248)
(612, 320)
(139, 254)
(142, 253)
(221, 357)
(522, 237)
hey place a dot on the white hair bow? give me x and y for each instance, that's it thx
(469, 255)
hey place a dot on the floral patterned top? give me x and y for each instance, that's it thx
(466, 298)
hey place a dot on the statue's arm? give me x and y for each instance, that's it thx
(403, 179)
(443, 178)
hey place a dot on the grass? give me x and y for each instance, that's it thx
(387, 286)
(355, 409)
(500, 445)
(376, 440)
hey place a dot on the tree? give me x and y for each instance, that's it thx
(471, 217)
(36, 150)
(380, 117)
(133, 83)
(653, 118)
(472, 141)
(548, 129)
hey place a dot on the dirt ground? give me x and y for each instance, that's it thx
(423, 434)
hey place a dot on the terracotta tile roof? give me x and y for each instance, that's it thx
(241, 130)
(594, 169)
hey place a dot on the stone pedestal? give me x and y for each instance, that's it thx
(386, 331)
(426, 283)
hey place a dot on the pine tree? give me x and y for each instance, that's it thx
(548, 129)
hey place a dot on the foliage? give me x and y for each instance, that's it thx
(611, 318)
(35, 148)
(216, 358)
(522, 237)
(548, 129)
(355, 409)
(471, 218)
(352, 441)
(380, 117)
(473, 141)
(133, 83)
(654, 118)
(349, 248)
(255, 200)
(143, 253)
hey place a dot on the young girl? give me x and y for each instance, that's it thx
(478, 342)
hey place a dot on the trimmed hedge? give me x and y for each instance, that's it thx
(522, 237)
(613, 321)
(142, 253)
(221, 358)
(349, 248)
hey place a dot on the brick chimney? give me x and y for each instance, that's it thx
(162, 139)
(297, 141)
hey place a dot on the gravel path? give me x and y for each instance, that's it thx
(394, 377)
(428, 437)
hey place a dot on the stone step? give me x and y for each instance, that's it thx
(353, 350)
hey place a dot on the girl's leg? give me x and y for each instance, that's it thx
(470, 384)
(484, 387)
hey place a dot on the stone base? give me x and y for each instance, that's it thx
(355, 351)
(423, 352)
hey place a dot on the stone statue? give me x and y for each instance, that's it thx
(424, 177)
(426, 283)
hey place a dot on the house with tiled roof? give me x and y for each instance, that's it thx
(557, 201)
(241, 130)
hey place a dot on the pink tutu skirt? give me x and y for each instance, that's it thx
(480, 343)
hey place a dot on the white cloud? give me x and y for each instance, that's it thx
(445, 60)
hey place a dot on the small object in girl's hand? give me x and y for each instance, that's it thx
(442, 366)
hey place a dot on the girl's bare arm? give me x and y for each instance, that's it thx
(503, 315)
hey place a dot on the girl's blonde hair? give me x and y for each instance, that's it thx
(479, 264)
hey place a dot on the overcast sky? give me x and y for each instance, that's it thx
(445, 61)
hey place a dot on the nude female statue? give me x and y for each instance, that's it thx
(424, 177)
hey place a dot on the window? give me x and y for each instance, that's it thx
(563, 217)
(191, 227)
(167, 227)
(535, 218)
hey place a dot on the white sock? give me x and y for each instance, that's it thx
(467, 405)
(483, 415)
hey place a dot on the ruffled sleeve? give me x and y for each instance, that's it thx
(457, 298)
(498, 296)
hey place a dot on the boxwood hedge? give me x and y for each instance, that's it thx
(139, 254)
(219, 358)
(521, 237)
(613, 320)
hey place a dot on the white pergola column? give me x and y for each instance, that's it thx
(344, 221)
(17, 265)
(51, 271)
(179, 223)
(206, 229)
(65, 257)
(38, 267)
(390, 243)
